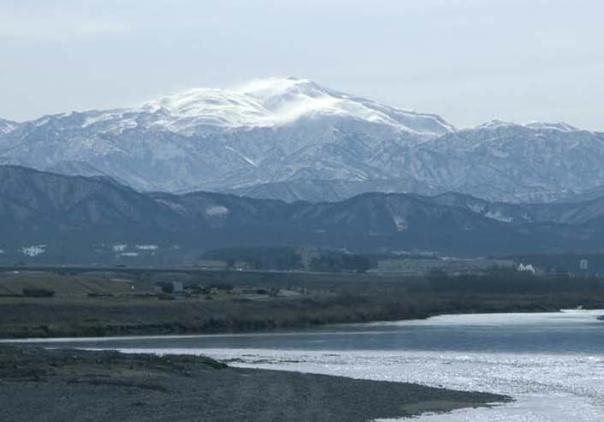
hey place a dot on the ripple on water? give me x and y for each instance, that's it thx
(546, 387)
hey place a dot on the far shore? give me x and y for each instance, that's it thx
(48, 321)
(293, 331)
(105, 304)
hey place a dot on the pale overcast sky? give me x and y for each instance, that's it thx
(468, 60)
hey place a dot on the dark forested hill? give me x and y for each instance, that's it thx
(51, 217)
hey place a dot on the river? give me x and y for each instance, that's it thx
(552, 364)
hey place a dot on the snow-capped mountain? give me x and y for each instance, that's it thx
(518, 163)
(275, 102)
(294, 139)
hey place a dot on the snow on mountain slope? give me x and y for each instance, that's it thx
(265, 131)
(518, 163)
(560, 126)
(291, 99)
(500, 124)
(293, 139)
(280, 101)
(7, 126)
(209, 107)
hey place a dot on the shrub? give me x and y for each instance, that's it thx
(38, 293)
(166, 287)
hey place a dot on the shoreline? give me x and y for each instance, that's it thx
(293, 329)
(181, 327)
(115, 304)
(35, 383)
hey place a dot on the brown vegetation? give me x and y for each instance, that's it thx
(98, 305)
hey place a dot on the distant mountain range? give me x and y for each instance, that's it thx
(293, 139)
(48, 217)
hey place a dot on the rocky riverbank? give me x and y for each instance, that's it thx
(50, 385)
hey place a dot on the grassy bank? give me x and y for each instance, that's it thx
(102, 304)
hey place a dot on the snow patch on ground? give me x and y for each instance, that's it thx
(400, 223)
(477, 208)
(246, 159)
(497, 215)
(120, 247)
(172, 205)
(129, 254)
(217, 211)
(33, 250)
(147, 247)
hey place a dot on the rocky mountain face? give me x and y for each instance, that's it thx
(292, 139)
(49, 217)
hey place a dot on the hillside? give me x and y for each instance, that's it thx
(47, 217)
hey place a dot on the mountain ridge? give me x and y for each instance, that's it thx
(59, 218)
(293, 139)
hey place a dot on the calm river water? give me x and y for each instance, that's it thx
(551, 363)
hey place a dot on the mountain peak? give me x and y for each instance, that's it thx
(278, 86)
(276, 101)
